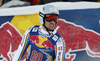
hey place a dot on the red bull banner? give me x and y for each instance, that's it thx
(79, 25)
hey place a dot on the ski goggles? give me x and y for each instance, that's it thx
(51, 17)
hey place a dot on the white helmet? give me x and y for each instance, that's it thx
(47, 9)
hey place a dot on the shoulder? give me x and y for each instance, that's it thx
(60, 38)
(34, 28)
(56, 36)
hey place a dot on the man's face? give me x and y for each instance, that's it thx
(50, 25)
(50, 21)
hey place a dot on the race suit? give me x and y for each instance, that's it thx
(42, 46)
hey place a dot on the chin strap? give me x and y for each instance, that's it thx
(48, 29)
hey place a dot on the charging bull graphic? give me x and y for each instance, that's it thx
(9, 41)
(78, 39)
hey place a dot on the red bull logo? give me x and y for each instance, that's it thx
(77, 38)
(9, 41)
(45, 43)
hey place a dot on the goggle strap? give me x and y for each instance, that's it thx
(41, 14)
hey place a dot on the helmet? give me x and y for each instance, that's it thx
(47, 9)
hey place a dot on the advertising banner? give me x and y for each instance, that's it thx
(78, 24)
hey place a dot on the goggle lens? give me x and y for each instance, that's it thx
(50, 17)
